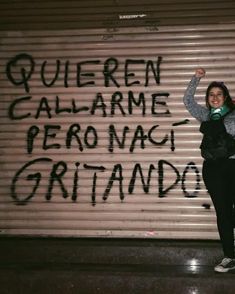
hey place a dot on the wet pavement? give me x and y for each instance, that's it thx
(56, 265)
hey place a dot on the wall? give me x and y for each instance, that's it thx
(95, 139)
(72, 14)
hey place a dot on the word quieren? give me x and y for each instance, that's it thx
(110, 67)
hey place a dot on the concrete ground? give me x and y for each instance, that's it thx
(57, 265)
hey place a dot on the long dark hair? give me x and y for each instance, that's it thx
(228, 100)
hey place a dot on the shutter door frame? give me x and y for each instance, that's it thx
(167, 137)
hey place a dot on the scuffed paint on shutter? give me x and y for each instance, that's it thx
(95, 139)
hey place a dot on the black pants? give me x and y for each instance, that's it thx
(219, 178)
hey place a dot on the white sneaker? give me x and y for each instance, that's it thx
(227, 264)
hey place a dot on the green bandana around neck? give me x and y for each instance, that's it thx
(217, 113)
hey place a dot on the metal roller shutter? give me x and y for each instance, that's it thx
(95, 139)
(72, 14)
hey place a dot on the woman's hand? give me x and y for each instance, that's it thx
(200, 72)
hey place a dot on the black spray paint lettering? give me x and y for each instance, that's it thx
(50, 109)
(191, 166)
(36, 177)
(25, 72)
(88, 140)
(115, 176)
(75, 182)
(91, 135)
(140, 137)
(172, 136)
(43, 72)
(150, 68)
(81, 74)
(12, 108)
(59, 169)
(114, 137)
(183, 122)
(156, 103)
(110, 66)
(158, 108)
(19, 71)
(95, 169)
(84, 77)
(138, 169)
(45, 108)
(162, 191)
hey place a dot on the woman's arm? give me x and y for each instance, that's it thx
(196, 110)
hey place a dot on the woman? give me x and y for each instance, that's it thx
(218, 174)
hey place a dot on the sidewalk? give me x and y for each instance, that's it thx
(55, 265)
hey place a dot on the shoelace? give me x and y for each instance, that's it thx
(226, 261)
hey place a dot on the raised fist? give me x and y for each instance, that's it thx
(200, 72)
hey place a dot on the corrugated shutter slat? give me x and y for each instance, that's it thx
(80, 184)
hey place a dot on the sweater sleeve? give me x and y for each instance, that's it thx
(196, 110)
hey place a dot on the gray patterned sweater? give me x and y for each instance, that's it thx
(200, 112)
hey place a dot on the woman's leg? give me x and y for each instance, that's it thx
(217, 178)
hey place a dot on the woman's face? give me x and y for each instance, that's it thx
(216, 97)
